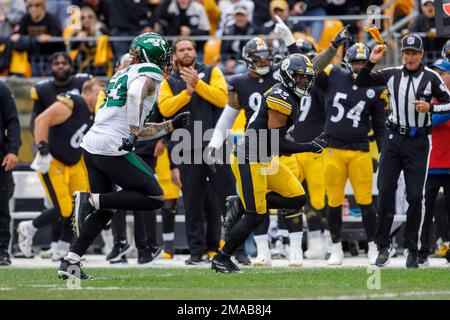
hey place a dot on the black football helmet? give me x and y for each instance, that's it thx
(357, 52)
(306, 47)
(255, 50)
(446, 51)
(298, 74)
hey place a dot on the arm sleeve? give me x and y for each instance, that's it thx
(366, 78)
(134, 98)
(11, 120)
(170, 104)
(323, 59)
(442, 94)
(225, 123)
(216, 92)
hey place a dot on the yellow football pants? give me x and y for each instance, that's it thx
(340, 165)
(61, 181)
(254, 180)
(310, 167)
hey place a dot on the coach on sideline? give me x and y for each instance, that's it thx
(407, 144)
(9, 149)
(202, 90)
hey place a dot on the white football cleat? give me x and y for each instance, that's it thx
(372, 253)
(337, 255)
(279, 252)
(26, 233)
(315, 246)
(262, 260)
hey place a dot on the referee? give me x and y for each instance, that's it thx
(406, 145)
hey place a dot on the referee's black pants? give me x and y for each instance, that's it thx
(434, 183)
(6, 192)
(195, 184)
(401, 152)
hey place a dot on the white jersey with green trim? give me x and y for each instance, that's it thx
(111, 122)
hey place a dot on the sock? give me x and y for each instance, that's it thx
(63, 245)
(241, 230)
(66, 234)
(128, 200)
(263, 227)
(93, 226)
(313, 217)
(335, 221)
(262, 244)
(276, 201)
(295, 239)
(369, 219)
(73, 257)
(293, 220)
(168, 221)
(46, 217)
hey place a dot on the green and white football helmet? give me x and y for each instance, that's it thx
(153, 48)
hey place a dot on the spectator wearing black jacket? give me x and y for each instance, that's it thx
(127, 18)
(183, 17)
(9, 149)
(36, 28)
(231, 50)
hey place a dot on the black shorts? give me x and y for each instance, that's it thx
(129, 172)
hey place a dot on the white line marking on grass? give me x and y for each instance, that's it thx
(380, 295)
(5, 289)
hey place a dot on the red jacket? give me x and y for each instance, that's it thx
(440, 152)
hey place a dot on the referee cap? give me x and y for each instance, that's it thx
(412, 42)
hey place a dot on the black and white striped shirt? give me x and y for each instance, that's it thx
(404, 88)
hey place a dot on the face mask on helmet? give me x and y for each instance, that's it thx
(257, 58)
(304, 84)
(445, 54)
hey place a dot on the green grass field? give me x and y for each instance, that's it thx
(275, 283)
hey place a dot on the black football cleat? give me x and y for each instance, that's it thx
(412, 259)
(223, 264)
(68, 270)
(119, 250)
(384, 256)
(235, 210)
(81, 210)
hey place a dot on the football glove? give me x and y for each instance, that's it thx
(41, 162)
(319, 143)
(342, 36)
(128, 143)
(283, 31)
(181, 120)
(211, 160)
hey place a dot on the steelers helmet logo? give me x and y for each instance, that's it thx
(410, 40)
(285, 64)
(201, 75)
(370, 93)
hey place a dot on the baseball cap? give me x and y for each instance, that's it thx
(442, 64)
(281, 4)
(412, 42)
(424, 2)
(240, 9)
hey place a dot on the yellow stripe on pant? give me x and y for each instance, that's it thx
(61, 181)
(254, 180)
(162, 171)
(340, 165)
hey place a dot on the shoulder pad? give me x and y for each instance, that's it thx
(67, 99)
(279, 100)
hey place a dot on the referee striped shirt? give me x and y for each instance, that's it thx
(404, 88)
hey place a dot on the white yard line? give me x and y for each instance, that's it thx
(384, 295)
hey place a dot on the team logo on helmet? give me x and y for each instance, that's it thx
(285, 64)
(370, 93)
(410, 40)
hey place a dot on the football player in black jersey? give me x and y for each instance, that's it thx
(350, 112)
(58, 133)
(43, 94)
(263, 181)
(245, 92)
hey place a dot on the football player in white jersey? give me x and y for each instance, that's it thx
(108, 148)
